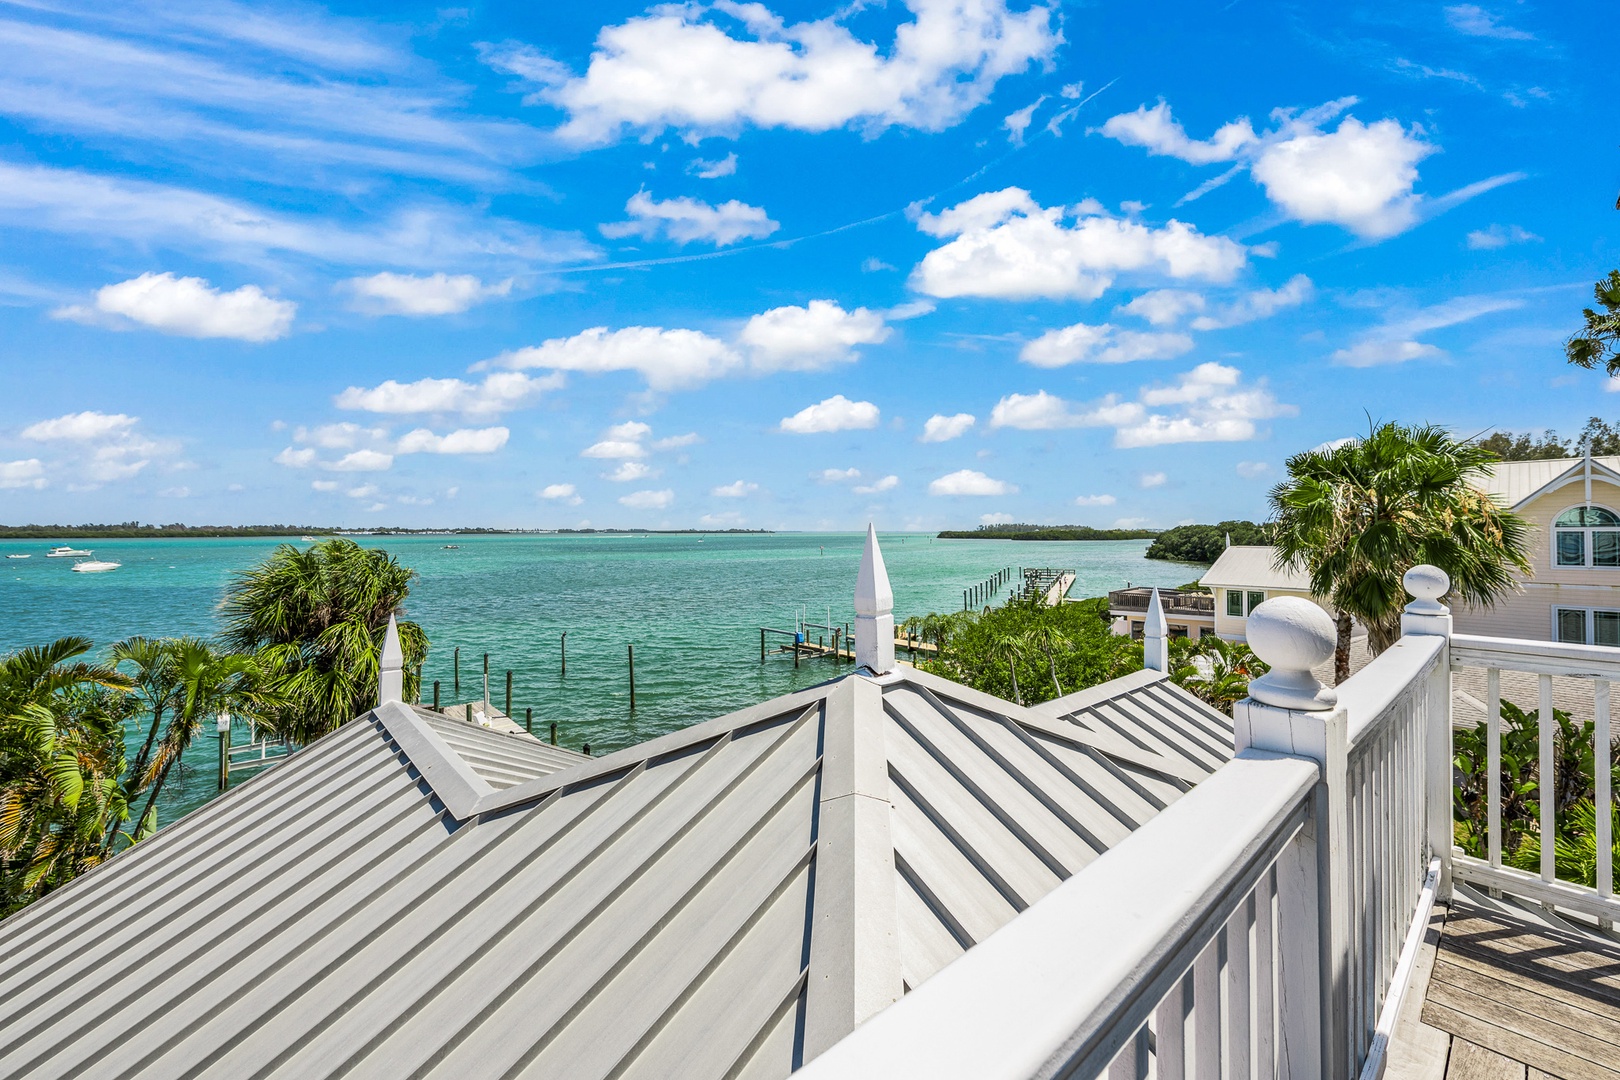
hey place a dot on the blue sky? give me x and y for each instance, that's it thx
(785, 266)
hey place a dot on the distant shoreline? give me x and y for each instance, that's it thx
(136, 531)
(1047, 532)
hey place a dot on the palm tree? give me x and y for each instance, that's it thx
(1598, 342)
(1214, 670)
(189, 681)
(61, 753)
(1357, 516)
(316, 618)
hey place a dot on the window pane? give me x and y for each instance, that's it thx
(1605, 547)
(1597, 515)
(1588, 516)
(1256, 599)
(1574, 518)
(1234, 602)
(1606, 627)
(1571, 549)
(1572, 626)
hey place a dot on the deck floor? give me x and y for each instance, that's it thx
(1523, 1000)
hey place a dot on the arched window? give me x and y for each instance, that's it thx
(1587, 536)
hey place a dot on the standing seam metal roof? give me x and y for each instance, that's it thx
(726, 901)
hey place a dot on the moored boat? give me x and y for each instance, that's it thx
(16, 556)
(66, 552)
(94, 566)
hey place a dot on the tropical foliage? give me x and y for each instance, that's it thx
(1214, 670)
(1204, 543)
(1573, 793)
(1357, 516)
(315, 618)
(1025, 651)
(1597, 342)
(1600, 436)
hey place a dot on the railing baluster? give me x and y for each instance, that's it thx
(1548, 782)
(1265, 979)
(1127, 1064)
(1207, 1012)
(1604, 797)
(1239, 990)
(1493, 763)
(1170, 1027)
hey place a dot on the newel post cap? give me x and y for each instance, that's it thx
(1427, 584)
(1292, 635)
(222, 723)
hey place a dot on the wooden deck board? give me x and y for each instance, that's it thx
(1546, 1000)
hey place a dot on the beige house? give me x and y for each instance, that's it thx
(1573, 592)
(1242, 579)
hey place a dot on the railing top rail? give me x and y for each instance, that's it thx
(1060, 988)
(1540, 657)
(1368, 695)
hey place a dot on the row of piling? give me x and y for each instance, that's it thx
(976, 595)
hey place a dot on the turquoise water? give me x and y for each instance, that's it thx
(692, 610)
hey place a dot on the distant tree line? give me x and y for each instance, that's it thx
(1603, 438)
(1046, 532)
(1204, 543)
(135, 530)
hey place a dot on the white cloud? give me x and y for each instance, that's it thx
(1129, 522)
(1017, 123)
(1500, 236)
(810, 338)
(836, 476)
(687, 68)
(1475, 21)
(563, 493)
(614, 448)
(872, 264)
(712, 170)
(911, 309)
(877, 487)
(629, 471)
(739, 489)
(667, 359)
(648, 500)
(409, 294)
(1009, 247)
(296, 459)
(1157, 131)
(729, 519)
(1094, 500)
(463, 441)
(80, 427)
(27, 473)
(686, 219)
(1102, 344)
(189, 307)
(677, 442)
(1214, 407)
(364, 491)
(836, 413)
(1258, 304)
(1041, 411)
(341, 436)
(1163, 307)
(995, 519)
(1251, 469)
(499, 392)
(362, 461)
(1359, 176)
(1152, 480)
(181, 492)
(969, 482)
(1395, 340)
(324, 485)
(942, 428)
(628, 440)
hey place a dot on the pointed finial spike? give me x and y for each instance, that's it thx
(391, 669)
(1155, 637)
(874, 610)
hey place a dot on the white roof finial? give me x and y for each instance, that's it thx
(1155, 638)
(874, 610)
(1228, 539)
(391, 672)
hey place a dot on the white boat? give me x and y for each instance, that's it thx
(306, 539)
(94, 566)
(65, 552)
(16, 556)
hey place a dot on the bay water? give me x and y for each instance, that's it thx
(692, 606)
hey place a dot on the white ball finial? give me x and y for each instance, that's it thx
(1292, 635)
(1427, 584)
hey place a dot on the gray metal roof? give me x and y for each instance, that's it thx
(500, 758)
(1155, 715)
(1253, 567)
(726, 901)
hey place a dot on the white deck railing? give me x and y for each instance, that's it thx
(1264, 925)
(1545, 660)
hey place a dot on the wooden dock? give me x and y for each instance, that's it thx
(1511, 998)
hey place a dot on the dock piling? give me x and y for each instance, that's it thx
(554, 733)
(762, 644)
(457, 662)
(632, 677)
(436, 696)
(508, 709)
(528, 720)
(565, 654)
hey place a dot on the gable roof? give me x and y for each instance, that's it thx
(1253, 567)
(728, 900)
(1150, 712)
(1517, 482)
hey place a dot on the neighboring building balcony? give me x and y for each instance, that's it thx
(1186, 603)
